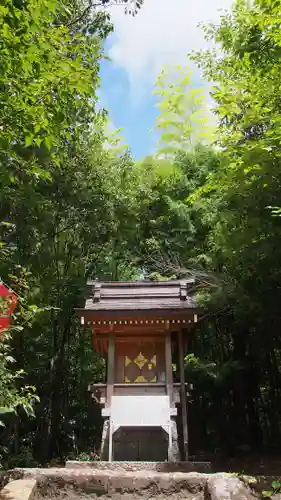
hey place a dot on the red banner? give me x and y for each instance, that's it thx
(8, 304)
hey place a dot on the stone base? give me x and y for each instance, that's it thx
(204, 467)
(174, 451)
(105, 440)
(141, 444)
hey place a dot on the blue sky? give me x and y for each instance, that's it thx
(162, 33)
(136, 121)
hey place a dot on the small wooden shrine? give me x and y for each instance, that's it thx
(142, 329)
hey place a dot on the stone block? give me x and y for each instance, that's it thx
(21, 489)
(227, 487)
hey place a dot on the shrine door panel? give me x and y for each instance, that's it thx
(140, 362)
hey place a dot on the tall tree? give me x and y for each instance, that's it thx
(60, 214)
(243, 243)
(183, 120)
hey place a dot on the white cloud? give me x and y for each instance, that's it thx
(163, 32)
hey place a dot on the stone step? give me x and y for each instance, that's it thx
(204, 467)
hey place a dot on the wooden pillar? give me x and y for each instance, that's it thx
(169, 368)
(183, 396)
(110, 388)
(110, 369)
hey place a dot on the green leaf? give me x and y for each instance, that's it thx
(28, 140)
(48, 141)
(6, 31)
(276, 485)
(10, 359)
(4, 409)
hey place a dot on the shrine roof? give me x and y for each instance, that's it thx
(134, 296)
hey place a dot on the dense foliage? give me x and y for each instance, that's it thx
(200, 205)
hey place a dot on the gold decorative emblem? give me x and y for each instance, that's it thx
(144, 366)
(153, 360)
(140, 360)
(127, 361)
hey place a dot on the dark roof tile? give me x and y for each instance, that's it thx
(140, 295)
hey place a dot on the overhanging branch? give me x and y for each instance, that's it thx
(136, 5)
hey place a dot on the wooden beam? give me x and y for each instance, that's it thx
(137, 333)
(133, 338)
(183, 396)
(165, 313)
(110, 370)
(169, 369)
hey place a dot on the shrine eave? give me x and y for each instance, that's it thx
(140, 312)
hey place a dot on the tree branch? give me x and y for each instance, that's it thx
(102, 3)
